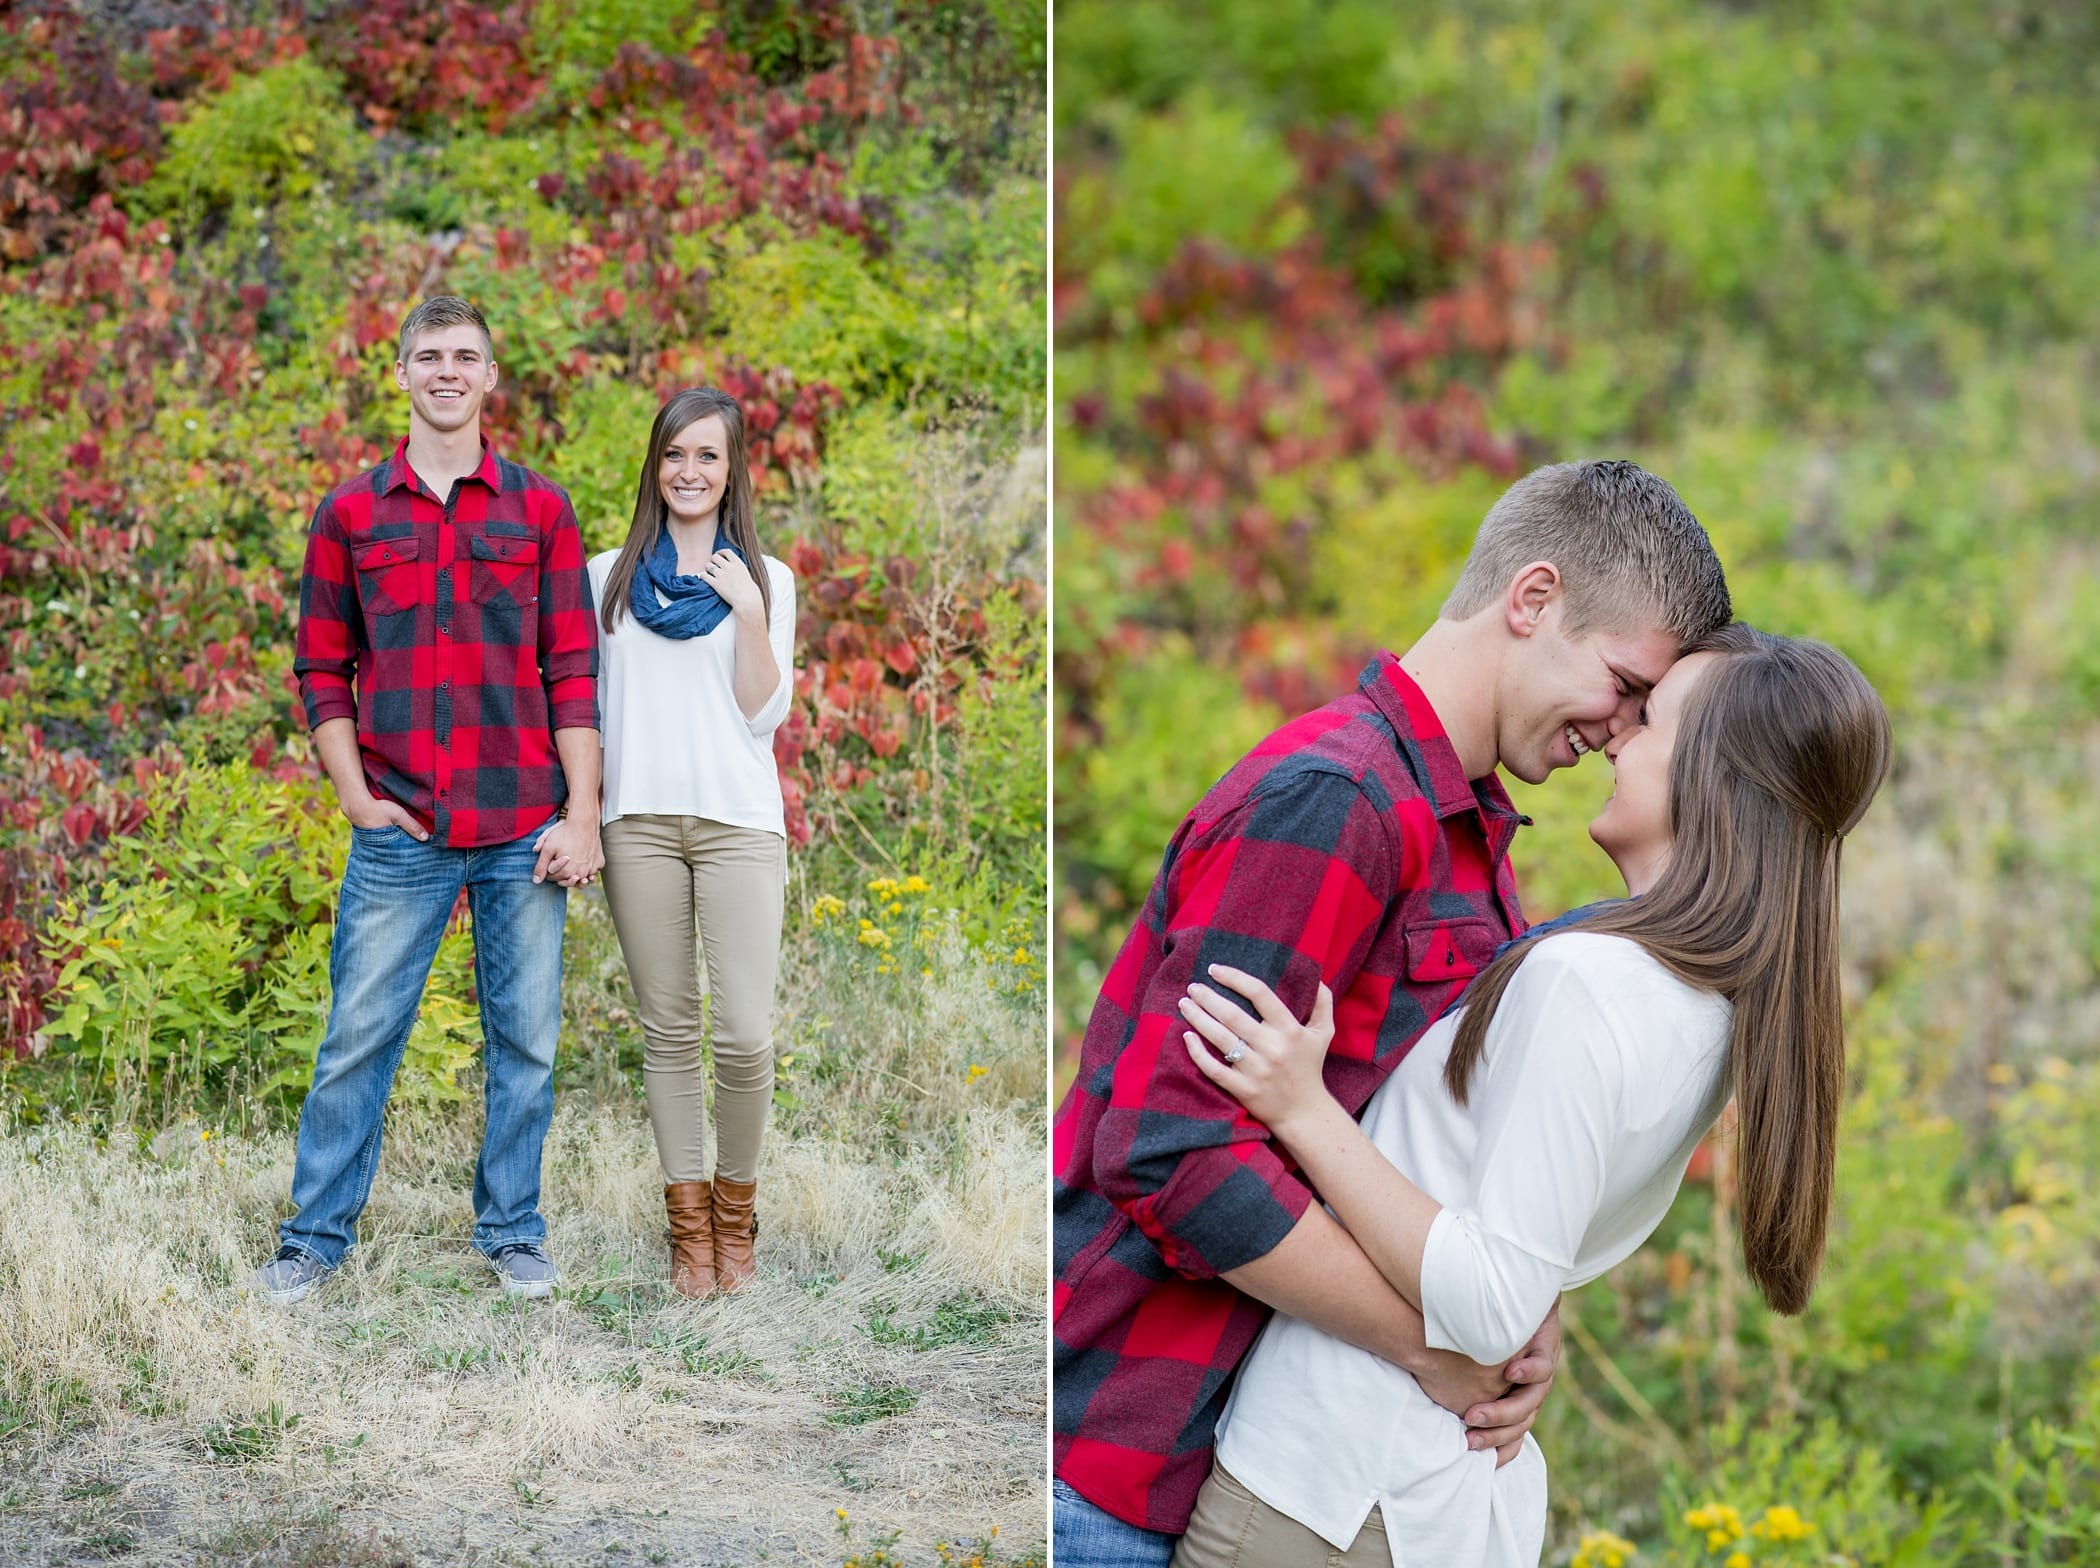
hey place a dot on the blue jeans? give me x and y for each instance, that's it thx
(1083, 1536)
(397, 896)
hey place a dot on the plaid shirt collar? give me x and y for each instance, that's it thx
(399, 474)
(1393, 691)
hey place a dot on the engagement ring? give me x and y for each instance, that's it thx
(1239, 1049)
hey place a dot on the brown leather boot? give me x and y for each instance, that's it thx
(692, 1238)
(736, 1233)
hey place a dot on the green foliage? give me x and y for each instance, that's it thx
(1303, 61)
(816, 307)
(271, 137)
(2042, 1490)
(227, 868)
(1795, 1492)
(576, 41)
(988, 839)
(204, 954)
(608, 423)
(1206, 169)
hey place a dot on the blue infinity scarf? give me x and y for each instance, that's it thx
(695, 609)
(1561, 922)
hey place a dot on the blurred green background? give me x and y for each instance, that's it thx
(1326, 277)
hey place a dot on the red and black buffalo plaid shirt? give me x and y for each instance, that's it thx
(466, 625)
(1349, 846)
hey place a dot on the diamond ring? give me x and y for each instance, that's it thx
(1239, 1049)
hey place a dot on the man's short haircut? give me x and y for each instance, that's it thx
(444, 310)
(1631, 554)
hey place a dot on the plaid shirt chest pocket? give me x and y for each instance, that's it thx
(388, 576)
(505, 575)
(1440, 950)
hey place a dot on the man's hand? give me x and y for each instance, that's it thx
(1457, 1384)
(1501, 1423)
(376, 811)
(570, 851)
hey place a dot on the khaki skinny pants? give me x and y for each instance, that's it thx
(1232, 1528)
(667, 878)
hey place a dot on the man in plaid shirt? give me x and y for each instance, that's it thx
(448, 664)
(1365, 844)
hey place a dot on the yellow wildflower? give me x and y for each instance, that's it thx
(977, 1072)
(916, 884)
(1782, 1524)
(1737, 1560)
(1602, 1549)
(1721, 1523)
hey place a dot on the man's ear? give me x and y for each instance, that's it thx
(401, 375)
(1531, 592)
(488, 380)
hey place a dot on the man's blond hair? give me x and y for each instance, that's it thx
(443, 310)
(1630, 553)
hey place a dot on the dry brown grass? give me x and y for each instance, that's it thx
(889, 1360)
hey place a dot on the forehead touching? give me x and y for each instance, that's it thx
(1675, 688)
(1638, 659)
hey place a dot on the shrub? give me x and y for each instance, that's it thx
(268, 138)
(203, 955)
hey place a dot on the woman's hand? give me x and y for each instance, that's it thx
(1270, 1064)
(726, 573)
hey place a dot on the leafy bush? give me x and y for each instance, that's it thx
(267, 138)
(203, 956)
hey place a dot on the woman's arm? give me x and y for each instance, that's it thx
(757, 674)
(781, 635)
(1279, 1080)
(1544, 1110)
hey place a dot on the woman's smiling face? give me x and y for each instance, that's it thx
(694, 474)
(1634, 826)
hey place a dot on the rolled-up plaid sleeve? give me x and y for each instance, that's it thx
(568, 635)
(1290, 886)
(325, 648)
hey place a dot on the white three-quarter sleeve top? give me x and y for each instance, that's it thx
(676, 743)
(1600, 1074)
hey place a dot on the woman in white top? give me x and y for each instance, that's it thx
(1536, 1135)
(695, 675)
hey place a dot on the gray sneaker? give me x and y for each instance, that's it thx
(287, 1277)
(525, 1269)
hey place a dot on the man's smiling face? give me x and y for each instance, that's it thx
(447, 375)
(1564, 697)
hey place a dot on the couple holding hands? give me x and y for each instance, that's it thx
(1307, 1272)
(500, 717)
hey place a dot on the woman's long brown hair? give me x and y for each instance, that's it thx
(734, 519)
(1783, 746)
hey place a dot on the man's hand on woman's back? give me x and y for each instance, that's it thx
(1515, 1392)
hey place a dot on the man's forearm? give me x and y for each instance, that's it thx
(1320, 1275)
(582, 762)
(335, 743)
